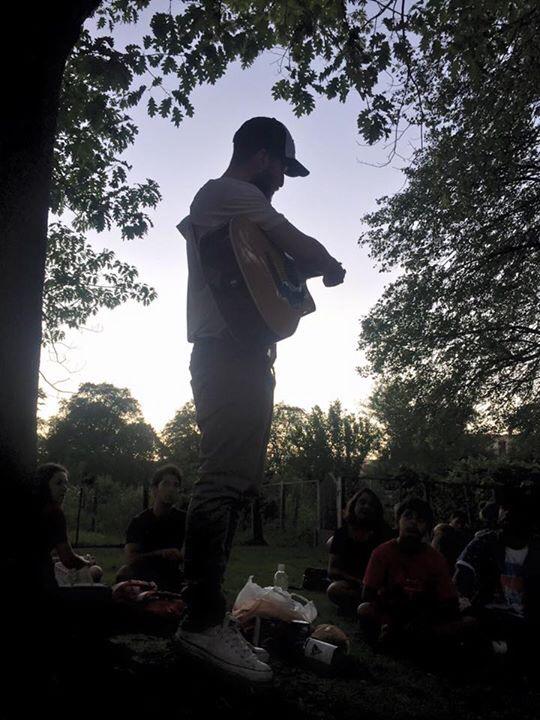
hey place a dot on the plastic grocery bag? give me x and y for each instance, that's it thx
(271, 602)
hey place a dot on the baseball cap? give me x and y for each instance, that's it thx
(269, 133)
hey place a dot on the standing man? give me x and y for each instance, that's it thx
(233, 386)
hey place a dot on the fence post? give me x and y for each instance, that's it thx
(93, 521)
(79, 509)
(281, 505)
(468, 505)
(318, 527)
(339, 500)
(145, 501)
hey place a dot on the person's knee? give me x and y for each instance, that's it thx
(124, 573)
(337, 590)
(96, 573)
(367, 612)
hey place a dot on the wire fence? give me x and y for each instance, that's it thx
(308, 509)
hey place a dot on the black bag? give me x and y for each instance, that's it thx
(315, 579)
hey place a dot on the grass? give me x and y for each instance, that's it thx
(261, 562)
(385, 688)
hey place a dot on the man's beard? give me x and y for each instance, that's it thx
(264, 182)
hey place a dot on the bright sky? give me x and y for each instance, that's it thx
(145, 349)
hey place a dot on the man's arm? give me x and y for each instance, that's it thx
(467, 567)
(133, 552)
(310, 255)
(69, 559)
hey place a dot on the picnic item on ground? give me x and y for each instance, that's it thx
(321, 652)
(333, 635)
(129, 590)
(315, 579)
(281, 579)
(271, 602)
(145, 596)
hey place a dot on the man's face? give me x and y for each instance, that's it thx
(412, 526)
(270, 174)
(168, 490)
(513, 519)
(58, 487)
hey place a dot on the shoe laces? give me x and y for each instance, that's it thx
(233, 637)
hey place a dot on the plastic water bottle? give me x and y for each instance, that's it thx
(281, 579)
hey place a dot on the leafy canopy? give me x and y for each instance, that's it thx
(100, 430)
(423, 429)
(465, 228)
(326, 49)
(181, 439)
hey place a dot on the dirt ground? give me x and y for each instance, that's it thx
(141, 676)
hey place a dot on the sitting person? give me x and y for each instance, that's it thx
(488, 517)
(50, 487)
(451, 538)
(408, 591)
(350, 548)
(155, 537)
(498, 578)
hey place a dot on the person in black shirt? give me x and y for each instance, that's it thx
(50, 531)
(155, 537)
(363, 530)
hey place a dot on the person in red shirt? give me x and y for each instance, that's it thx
(408, 590)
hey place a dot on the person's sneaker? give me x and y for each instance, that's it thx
(224, 647)
(260, 653)
(499, 647)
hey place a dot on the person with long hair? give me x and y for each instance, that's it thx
(50, 487)
(364, 529)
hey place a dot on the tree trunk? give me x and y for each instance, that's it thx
(257, 524)
(93, 523)
(46, 34)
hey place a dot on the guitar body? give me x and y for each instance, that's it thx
(256, 286)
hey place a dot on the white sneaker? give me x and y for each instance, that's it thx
(500, 647)
(260, 653)
(224, 647)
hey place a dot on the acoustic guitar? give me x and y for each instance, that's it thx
(257, 287)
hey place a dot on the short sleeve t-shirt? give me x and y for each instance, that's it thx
(150, 532)
(420, 576)
(215, 204)
(353, 554)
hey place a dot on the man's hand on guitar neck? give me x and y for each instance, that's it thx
(335, 275)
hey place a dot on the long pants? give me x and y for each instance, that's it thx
(233, 390)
